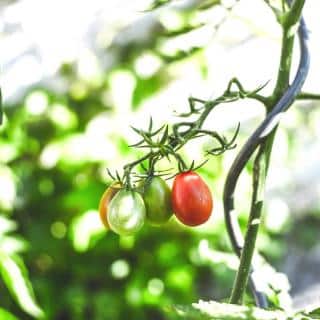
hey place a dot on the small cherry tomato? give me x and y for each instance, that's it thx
(105, 200)
(157, 199)
(191, 199)
(126, 212)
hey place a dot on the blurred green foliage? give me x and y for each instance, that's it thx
(54, 150)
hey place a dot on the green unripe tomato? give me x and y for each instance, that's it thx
(157, 199)
(126, 212)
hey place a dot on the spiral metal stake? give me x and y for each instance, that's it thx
(259, 136)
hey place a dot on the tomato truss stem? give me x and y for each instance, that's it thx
(165, 143)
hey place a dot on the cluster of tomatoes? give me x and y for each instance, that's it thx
(125, 211)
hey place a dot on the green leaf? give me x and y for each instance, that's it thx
(157, 4)
(208, 4)
(10, 245)
(6, 225)
(311, 312)
(212, 310)
(183, 30)
(165, 135)
(179, 55)
(5, 315)
(315, 312)
(15, 276)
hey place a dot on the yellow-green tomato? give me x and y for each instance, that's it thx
(126, 212)
(105, 200)
(157, 199)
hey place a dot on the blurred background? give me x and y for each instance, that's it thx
(75, 75)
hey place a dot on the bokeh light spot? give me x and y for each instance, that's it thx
(120, 269)
(84, 229)
(46, 186)
(155, 286)
(147, 65)
(36, 103)
(134, 296)
(44, 262)
(62, 117)
(58, 229)
(50, 156)
(277, 215)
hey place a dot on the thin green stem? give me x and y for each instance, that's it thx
(308, 96)
(285, 64)
(264, 100)
(289, 29)
(251, 235)
(292, 17)
(260, 169)
(128, 167)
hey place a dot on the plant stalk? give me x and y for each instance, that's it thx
(262, 160)
(260, 169)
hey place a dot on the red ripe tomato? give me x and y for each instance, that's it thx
(191, 199)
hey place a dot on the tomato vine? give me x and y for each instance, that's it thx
(167, 141)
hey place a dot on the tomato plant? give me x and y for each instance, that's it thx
(126, 212)
(157, 199)
(191, 199)
(105, 200)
